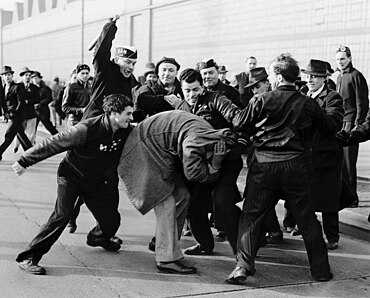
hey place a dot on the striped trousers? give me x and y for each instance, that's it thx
(267, 182)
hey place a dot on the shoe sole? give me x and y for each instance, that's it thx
(43, 272)
(236, 280)
(173, 271)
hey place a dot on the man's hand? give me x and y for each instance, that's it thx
(343, 137)
(173, 100)
(115, 18)
(18, 169)
(219, 154)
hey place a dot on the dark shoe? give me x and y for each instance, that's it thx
(71, 227)
(151, 245)
(275, 235)
(288, 229)
(295, 232)
(31, 266)
(354, 204)
(323, 278)
(332, 245)
(196, 250)
(116, 240)
(220, 236)
(176, 267)
(237, 276)
(15, 150)
(107, 245)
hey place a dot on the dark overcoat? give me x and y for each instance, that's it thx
(327, 156)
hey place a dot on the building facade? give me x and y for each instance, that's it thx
(52, 36)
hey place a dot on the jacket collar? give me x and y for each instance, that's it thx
(348, 69)
(287, 88)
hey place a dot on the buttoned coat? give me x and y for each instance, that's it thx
(327, 156)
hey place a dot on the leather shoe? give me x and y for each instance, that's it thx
(151, 245)
(176, 267)
(72, 227)
(196, 250)
(332, 245)
(31, 266)
(116, 240)
(237, 276)
(107, 245)
(323, 278)
(220, 236)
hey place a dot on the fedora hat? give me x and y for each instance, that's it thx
(36, 74)
(316, 68)
(256, 75)
(25, 70)
(329, 69)
(6, 69)
(222, 69)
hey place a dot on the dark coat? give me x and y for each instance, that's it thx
(149, 99)
(161, 146)
(30, 97)
(76, 97)
(108, 78)
(242, 79)
(213, 107)
(327, 156)
(12, 102)
(46, 97)
(230, 92)
(92, 148)
(352, 86)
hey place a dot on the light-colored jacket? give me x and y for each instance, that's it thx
(160, 146)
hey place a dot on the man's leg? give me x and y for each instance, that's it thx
(297, 194)
(182, 199)
(199, 206)
(50, 232)
(330, 222)
(45, 120)
(226, 213)
(102, 205)
(14, 125)
(168, 254)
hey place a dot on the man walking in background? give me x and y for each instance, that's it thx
(352, 86)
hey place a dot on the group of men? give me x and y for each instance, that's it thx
(184, 156)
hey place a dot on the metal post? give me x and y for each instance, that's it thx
(82, 29)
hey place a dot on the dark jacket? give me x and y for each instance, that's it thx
(45, 98)
(12, 102)
(149, 99)
(327, 156)
(352, 86)
(230, 92)
(108, 78)
(213, 107)
(76, 97)
(58, 103)
(30, 97)
(281, 123)
(242, 79)
(92, 148)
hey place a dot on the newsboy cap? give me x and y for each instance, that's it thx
(126, 52)
(7, 69)
(316, 68)
(81, 67)
(167, 60)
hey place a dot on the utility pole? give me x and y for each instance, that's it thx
(82, 29)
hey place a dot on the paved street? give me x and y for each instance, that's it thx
(76, 270)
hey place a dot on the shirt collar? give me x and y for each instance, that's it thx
(317, 92)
